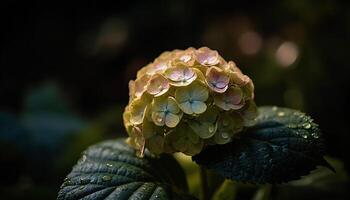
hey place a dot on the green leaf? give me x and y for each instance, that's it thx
(321, 184)
(111, 170)
(283, 145)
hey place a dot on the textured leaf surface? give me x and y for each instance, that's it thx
(110, 170)
(284, 145)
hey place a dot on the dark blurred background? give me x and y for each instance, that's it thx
(65, 69)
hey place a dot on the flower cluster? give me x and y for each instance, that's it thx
(187, 99)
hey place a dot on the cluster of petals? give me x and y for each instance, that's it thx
(187, 99)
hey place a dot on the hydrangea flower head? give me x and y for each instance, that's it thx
(187, 99)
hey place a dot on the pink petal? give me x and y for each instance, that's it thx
(233, 97)
(181, 74)
(221, 85)
(206, 56)
(140, 85)
(176, 75)
(217, 79)
(158, 85)
(157, 67)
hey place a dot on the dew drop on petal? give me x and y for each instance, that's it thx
(211, 128)
(225, 135)
(225, 122)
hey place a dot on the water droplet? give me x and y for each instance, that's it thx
(211, 129)
(315, 135)
(225, 122)
(66, 179)
(225, 135)
(307, 125)
(159, 119)
(280, 114)
(274, 108)
(84, 180)
(67, 182)
(109, 165)
(243, 155)
(304, 136)
(81, 187)
(106, 178)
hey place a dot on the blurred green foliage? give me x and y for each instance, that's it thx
(41, 145)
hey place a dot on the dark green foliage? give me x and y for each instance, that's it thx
(111, 170)
(284, 145)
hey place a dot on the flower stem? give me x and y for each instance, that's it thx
(263, 193)
(204, 183)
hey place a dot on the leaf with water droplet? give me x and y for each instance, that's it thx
(270, 151)
(106, 178)
(307, 125)
(112, 169)
(109, 165)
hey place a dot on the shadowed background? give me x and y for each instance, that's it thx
(65, 70)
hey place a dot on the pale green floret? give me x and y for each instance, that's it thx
(148, 129)
(228, 125)
(230, 121)
(195, 148)
(222, 137)
(192, 98)
(183, 139)
(205, 124)
(156, 144)
(137, 111)
(165, 111)
(250, 113)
